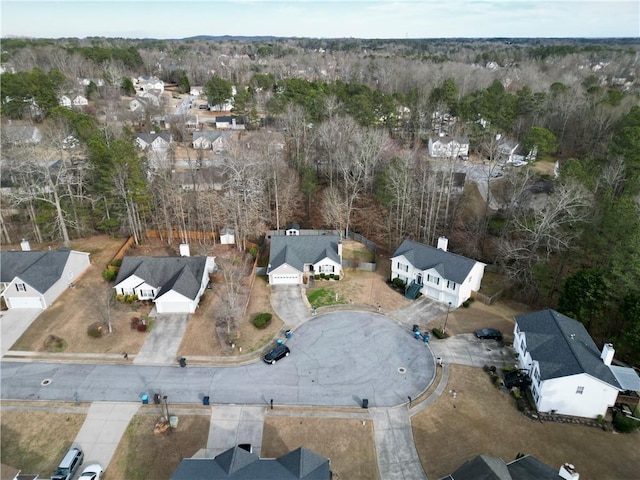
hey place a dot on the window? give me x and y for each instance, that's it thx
(326, 268)
(451, 285)
(21, 287)
(522, 346)
(433, 279)
(146, 293)
(402, 267)
(579, 390)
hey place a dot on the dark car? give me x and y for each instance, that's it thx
(276, 354)
(517, 378)
(489, 334)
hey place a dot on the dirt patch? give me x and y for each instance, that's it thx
(348, 443)
(142, 455)
(35, 441)
(482, 420)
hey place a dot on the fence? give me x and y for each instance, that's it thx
(182, 235)
(368, 266)
(359, 238)
(486, 299)
(123, 250)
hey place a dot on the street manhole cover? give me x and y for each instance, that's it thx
(402, 370)
(45, 382)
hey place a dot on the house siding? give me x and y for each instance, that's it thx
(76, 265)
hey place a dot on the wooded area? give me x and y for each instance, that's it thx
(336, 137)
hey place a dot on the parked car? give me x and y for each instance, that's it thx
(517, 378)
(68, 465)
(203, 107)
(91, 472)
(489, 334)
(276, 354)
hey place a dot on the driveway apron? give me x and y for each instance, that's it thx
(466, 349)
(162, 344)
(102, 429)
(14, 323)
(289, 305)
(395, 448)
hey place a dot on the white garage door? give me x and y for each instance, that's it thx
(285, 279)
(24, 302)
(173, 307)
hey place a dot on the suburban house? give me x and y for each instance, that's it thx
(156, 141)
(507, 150)
(32, 279)
(228, 122)
(239, 464)
(569, 374)
(147, 83)
(293, 257)
(190, 122)
(65, 101)
(448, 147)
(524, 468)
(174, 284)
(211, 140)
(435, 272)
(151, 98)
(138, 104)
(80, 101)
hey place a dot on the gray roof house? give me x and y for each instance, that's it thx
(175, 284)
(484, 467)
(155, 140)
(570, 375)
(211, 140)
(238, 464)
(291, 257)
(20, 134)
(31, 279)
(436, 272)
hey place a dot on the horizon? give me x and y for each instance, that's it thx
(321, 19)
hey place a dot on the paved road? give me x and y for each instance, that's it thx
(337, 359)
(14, 323)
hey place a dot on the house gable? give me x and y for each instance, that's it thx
(298, 251)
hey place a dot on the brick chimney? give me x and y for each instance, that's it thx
(607, 353)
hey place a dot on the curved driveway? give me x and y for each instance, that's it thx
(336, 360)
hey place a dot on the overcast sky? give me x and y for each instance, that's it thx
(321, 18)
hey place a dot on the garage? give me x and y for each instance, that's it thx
(24, 302)
(173, 307)
(283, 279)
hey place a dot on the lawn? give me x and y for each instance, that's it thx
(347, 442)
(323, 297)
(483, 420)
(35, 441)
(142, 455)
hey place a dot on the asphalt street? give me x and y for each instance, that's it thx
(336, 359)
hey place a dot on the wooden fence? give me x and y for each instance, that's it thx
(123, 250)
(486, 299)
(185, 235)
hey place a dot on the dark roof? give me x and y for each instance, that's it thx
(296, 250)
(562, 346)
(210, 135)
(180, 274)
(484, 467)
(39, 269)
(292, 226)
(238, 464)
(423, 257)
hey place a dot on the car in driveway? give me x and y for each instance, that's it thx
(489, 334)
(91, 472)
(517, 378)
(276, 354)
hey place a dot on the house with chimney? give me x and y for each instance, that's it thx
(435, 272)
(569, 374)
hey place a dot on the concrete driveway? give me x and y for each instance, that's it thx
(14, 323)
(162, 344)
(336, 359)
(289, 305)
(466, 349)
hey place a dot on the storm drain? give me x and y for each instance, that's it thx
(402, 370)
(45, 382)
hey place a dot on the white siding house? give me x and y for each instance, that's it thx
(291, 257)
(569, 374)
(448, 147)
(174, 284)
(31, 279)
(435, 272)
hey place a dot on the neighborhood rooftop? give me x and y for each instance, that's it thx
(40, 270)
(562, 346)
(291, 249)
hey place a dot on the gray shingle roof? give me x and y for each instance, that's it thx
(296, 251)
(210, 135)
(484, 467)
(149, 138)
(562, 346)
(530, 468)
(38, 269)
(180, 274)
(423, 257)
(238, 464)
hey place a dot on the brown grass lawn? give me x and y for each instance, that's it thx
(141, 455)
(346, 442)
(482, 420)
(35, 441)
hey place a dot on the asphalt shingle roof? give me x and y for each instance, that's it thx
(238, 464)
(562, 346)
(38, 269)
(484, 467)
(296, 251)
(423, 257)
(180, 274)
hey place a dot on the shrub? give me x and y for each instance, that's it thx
(120, 297)
(624, 424)
(95, 330)
(53, 343)
(109, 275)
(262, 320)
(516, 394)
(332, 276)
(337, 277)
(253, 251)
(130, 298)
(399, 283)
(485, 367)
(497, 381)
(437, 333)
(142, 327)
(600, 418)
(116, 263)
(317, 277)
(135, 321)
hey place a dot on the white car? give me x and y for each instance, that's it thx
(91, 472)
